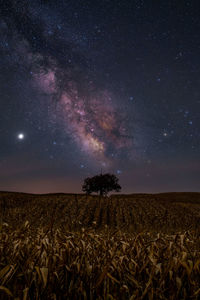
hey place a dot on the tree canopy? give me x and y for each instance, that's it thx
(102, 184)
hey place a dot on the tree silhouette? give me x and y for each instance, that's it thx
(102, 184)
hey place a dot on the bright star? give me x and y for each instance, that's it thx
(20, 136)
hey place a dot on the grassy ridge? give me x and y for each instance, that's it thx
(65, 246)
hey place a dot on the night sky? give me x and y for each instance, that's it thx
(108, 85)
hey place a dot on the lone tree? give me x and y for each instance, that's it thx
(102, 184)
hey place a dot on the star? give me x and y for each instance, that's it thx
(20, 136)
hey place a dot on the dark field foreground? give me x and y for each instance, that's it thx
(169, 213)
(124, 247)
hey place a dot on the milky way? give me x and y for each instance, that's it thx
(92, 120)
(91, 85)
(87, 112)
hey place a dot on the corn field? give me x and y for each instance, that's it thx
(78, 247)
